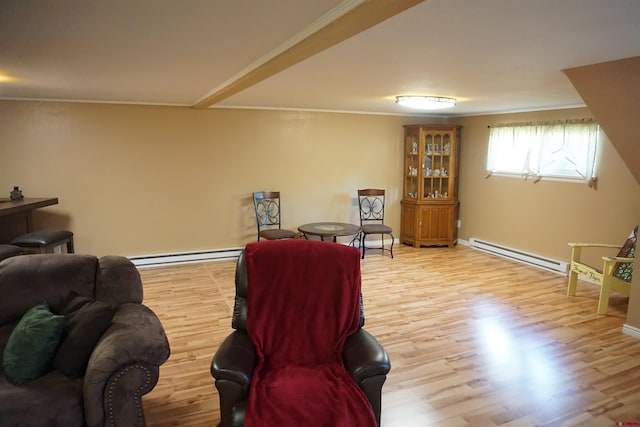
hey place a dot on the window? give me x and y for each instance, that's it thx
(561, 150)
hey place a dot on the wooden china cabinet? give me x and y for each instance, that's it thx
(430, 199)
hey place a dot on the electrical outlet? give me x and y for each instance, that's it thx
(459, 223)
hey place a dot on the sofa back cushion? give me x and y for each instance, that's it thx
(30, 279)
(85, 320)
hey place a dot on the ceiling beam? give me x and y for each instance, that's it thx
(362, 17)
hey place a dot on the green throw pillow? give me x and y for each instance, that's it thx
(32, 344)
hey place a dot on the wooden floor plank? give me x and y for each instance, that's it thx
(474, 340)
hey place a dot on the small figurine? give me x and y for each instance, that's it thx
(16, 194)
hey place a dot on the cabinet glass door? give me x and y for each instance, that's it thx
(435, 166)
(412, 165)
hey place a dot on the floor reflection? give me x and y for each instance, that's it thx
(521, 365)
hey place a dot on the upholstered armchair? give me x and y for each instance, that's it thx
(298, 339)
(91, 350)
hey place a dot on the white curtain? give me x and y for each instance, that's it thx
(551, 149)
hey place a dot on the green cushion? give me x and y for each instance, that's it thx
(32, 344)
(85, 321)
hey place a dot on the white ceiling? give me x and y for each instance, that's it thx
(492, 55)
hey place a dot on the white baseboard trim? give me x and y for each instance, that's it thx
(631, 330)
(159, 260)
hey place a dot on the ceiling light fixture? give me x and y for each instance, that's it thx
(426, 102)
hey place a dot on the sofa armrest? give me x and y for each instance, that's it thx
(364, 356)
(127, 357)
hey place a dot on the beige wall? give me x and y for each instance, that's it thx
(542, 217)
(138, 180)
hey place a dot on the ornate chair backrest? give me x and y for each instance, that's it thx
(371, 203)
(267, 207)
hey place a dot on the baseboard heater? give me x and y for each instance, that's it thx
(520, 256)
(158, 260)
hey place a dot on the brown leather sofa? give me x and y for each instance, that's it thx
(233, 364)
(123, 365)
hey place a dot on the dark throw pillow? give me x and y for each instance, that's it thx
(85, 320)
(32, 344)
(624, 271)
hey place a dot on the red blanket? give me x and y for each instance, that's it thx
(303, 301)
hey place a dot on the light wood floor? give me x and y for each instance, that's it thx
(474, 340)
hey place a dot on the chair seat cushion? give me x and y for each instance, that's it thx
(319, 395)
(7, 251)
(276, 234)
(376, 229)
(42, 238)
(51, 400)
